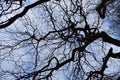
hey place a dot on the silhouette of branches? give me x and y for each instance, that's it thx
(58, 36)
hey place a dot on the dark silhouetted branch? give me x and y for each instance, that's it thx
(14, 18)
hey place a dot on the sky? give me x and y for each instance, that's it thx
(39, 23)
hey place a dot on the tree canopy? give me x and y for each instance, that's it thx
(59, 39)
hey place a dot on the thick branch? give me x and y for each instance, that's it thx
(101, 8)
(102, 35)
(14, 18)
(109, 39)
(105, 37)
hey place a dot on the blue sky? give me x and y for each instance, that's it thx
(38, 19)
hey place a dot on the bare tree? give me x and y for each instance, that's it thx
(59, 36)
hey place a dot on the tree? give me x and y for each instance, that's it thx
(58, 36)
